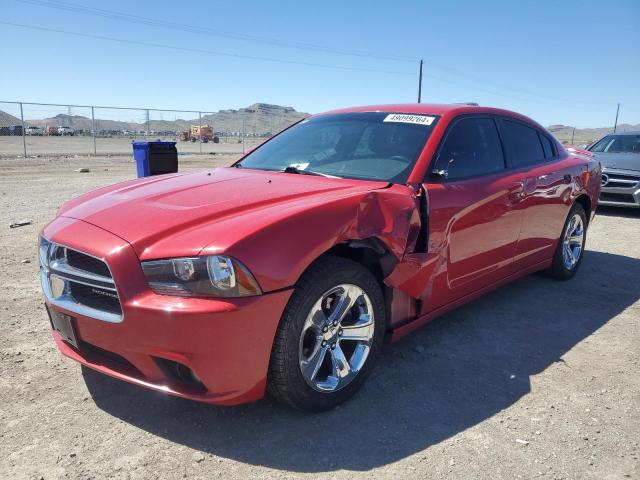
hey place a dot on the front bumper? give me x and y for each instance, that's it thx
(224, 343)
(620, 188)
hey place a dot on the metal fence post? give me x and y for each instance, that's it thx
(24, 133)
(93, 131)
(200, 130)
(243, 136)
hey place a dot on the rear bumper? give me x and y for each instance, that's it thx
(224, 344)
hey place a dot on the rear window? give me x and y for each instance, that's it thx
(546, 146)
(523, 144)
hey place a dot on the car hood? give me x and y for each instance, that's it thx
(619, 161)
(156, 210)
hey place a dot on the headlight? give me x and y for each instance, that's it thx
(207, 276)
(43, 251)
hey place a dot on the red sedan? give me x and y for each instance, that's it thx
(289, 269)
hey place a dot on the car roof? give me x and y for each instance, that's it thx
(443, 109)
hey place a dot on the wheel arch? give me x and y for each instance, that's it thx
(584, 200)
(372, 254)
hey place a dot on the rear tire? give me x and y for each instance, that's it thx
(570, 250)
(329, 336)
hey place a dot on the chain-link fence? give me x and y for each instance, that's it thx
(36, 129)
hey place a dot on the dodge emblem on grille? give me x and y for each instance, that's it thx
(102, 292)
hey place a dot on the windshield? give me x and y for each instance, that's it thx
(369, 146)
(618, 144)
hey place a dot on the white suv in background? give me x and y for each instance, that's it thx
(65, 131)
(34, 131)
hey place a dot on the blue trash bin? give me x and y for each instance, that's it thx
(155, 158)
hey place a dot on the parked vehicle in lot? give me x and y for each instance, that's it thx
(619, 155)
(65, 131)
(288, 270)
(34, 131)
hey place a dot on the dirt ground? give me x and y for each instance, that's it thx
(539, 379)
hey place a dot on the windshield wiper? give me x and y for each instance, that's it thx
(292, 169)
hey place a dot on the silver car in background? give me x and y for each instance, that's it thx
(619, 155)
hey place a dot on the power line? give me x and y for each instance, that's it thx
(502, 94)
(116, 15)
(478, 79)
(203, 51)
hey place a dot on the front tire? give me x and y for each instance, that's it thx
(570, 249)
(329, 336)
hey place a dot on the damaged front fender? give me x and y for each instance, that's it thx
(288, 238)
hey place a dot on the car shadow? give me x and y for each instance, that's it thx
(624, 212)
(451, 375)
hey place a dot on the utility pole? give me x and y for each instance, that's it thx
(420, 83)
(93, 131)
(573, 134)
(243, 136)
(615, 125)
(200, 130)
(24, 138)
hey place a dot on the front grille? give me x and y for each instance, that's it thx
(79, 282)
(620, 180)
(85, 262)
(617, 197)
(94, 297)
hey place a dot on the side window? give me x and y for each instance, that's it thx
(546, 146)
(523, 144)
(471, 148)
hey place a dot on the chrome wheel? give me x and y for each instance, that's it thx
(336, 338)
(573, 242)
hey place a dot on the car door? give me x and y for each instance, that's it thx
(534, 157)
(474, 215)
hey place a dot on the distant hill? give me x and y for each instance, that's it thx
(586, 136)
(7, 119)
(258, 118)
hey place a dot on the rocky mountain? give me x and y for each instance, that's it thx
(258, 118)
(7, 119)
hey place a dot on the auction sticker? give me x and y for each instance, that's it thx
(407, 118)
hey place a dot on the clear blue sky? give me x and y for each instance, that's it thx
(565, 61)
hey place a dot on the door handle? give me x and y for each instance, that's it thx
(566, 179)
